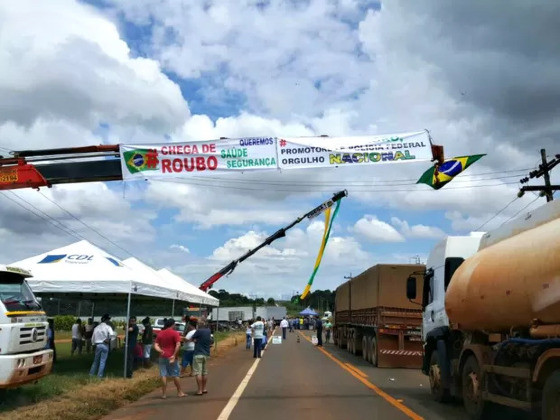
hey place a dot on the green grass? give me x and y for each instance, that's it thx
(69, 372)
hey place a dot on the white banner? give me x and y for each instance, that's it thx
(317, 152)
(197, 158)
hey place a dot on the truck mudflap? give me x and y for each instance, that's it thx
(19, 369)
(399, 349)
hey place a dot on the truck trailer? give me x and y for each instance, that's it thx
(373, 318)
(491, 317)
(23, 331)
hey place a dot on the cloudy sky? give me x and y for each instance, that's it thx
(483, 77)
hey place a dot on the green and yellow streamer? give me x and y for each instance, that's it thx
(326, 233)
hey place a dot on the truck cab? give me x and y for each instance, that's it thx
(23, 331)
(443, 260)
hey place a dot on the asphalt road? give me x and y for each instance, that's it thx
(300, 381)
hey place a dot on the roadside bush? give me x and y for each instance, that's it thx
(64, 322)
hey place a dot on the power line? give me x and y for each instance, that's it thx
(519, 211)
(87, 226)
(493, 217)
(342, 184)
(46, 219)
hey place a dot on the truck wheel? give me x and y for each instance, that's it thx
(472, 389)
(365, 353)
(373, 351)
(439, 394)
(349, 342)
(551, 397)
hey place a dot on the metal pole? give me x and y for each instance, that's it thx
(126, 330)
(92, 308)
(173, 309)
(547, 191)
(217, 327)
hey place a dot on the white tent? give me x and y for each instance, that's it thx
(174, 280)
(185, 290)
(84, 268)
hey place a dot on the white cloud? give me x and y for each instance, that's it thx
(417, 231)
(181, 248)
(375, 230)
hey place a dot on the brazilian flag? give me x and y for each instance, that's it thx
(440, 175)
(136, 160)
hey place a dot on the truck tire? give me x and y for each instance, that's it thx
(373, 351)
(439, 394)
(471, 379)
(365, 353)
(551, 397)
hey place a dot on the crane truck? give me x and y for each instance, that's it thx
(491, 316)
(23, 331)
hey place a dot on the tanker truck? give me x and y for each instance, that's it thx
(491, 317)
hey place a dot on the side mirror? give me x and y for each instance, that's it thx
(411, 288)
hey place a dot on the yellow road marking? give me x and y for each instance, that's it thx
(355, 369)
(393, 401)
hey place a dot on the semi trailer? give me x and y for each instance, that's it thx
(373, 318)
(491, 317)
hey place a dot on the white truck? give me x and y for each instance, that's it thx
(23, 331)
(491, 317)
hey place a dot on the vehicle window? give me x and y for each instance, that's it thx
(427, 292)
(451, 265)
(16, 295)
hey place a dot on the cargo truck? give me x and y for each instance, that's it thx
(373, 318)
(23, 331)
(491, 317)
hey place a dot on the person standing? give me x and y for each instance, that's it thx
(101, 338)
(168, 343)
(290, 325)
(147, 340)
(248, 337)
(258, 331)
(76, 337)
(188, 349)
(203, 341)
(131, 340)
(88, 332)
(319, 327)
(328, 328)
(284, 325)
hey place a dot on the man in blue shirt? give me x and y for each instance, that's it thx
(202, 342)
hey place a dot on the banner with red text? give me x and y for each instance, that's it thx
(198, 158)
(320, 152)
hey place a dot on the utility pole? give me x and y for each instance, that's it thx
(544, 170)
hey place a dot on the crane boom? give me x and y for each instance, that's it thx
(280, 233)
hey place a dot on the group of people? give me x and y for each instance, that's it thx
(196, 340)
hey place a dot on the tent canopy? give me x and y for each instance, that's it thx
(184, 290)
(175, 280)
(308, 312)
(84, 268)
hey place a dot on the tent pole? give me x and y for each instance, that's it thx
(126, 330)
(217, 329)
(173, 309)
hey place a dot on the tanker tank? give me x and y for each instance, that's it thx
(510, 283)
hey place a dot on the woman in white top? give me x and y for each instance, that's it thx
(248, 333)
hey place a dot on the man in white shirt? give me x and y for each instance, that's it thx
(258, 334)
(284, 326)
(102, 335)
(76, 337)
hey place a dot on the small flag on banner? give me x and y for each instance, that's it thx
(440, 175)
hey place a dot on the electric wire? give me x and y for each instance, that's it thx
(496, 215)
(88, 226)
(46, 219)
(512, 217)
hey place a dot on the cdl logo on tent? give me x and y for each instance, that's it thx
(72, 258)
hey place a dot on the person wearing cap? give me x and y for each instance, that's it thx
(101, 339)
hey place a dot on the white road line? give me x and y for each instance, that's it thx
(228, 409)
